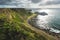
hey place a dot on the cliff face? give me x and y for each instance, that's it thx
(13, 26)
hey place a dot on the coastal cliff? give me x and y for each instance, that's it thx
(14, 26)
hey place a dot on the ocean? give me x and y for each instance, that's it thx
(50, 21)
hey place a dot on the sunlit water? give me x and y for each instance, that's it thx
(50, 21)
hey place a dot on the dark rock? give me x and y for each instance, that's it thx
(41, 13)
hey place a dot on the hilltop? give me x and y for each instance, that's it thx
(14, 26)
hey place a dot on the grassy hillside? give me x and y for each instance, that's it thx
(14, 26)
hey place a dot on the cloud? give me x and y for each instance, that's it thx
(2, 2)
(50, 2)
(11, 2)
(30, 3)
(36, 1)
(14, 3)
(50, 6)
(45, 4)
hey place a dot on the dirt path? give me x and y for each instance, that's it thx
(49, 37)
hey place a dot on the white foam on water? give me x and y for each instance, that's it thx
(54, 30)
(43, 21)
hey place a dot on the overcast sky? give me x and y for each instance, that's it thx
(30, 3)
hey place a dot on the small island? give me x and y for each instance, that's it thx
(41, 13)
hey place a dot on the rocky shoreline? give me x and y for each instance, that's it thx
(32, 22)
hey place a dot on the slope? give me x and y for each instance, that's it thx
(14, 26)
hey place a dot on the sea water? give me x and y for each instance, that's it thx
(50, 21)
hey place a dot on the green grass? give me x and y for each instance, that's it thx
(14, 26)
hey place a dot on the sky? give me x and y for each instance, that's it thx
(30, 3)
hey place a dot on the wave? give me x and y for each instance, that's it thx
(54, 30)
